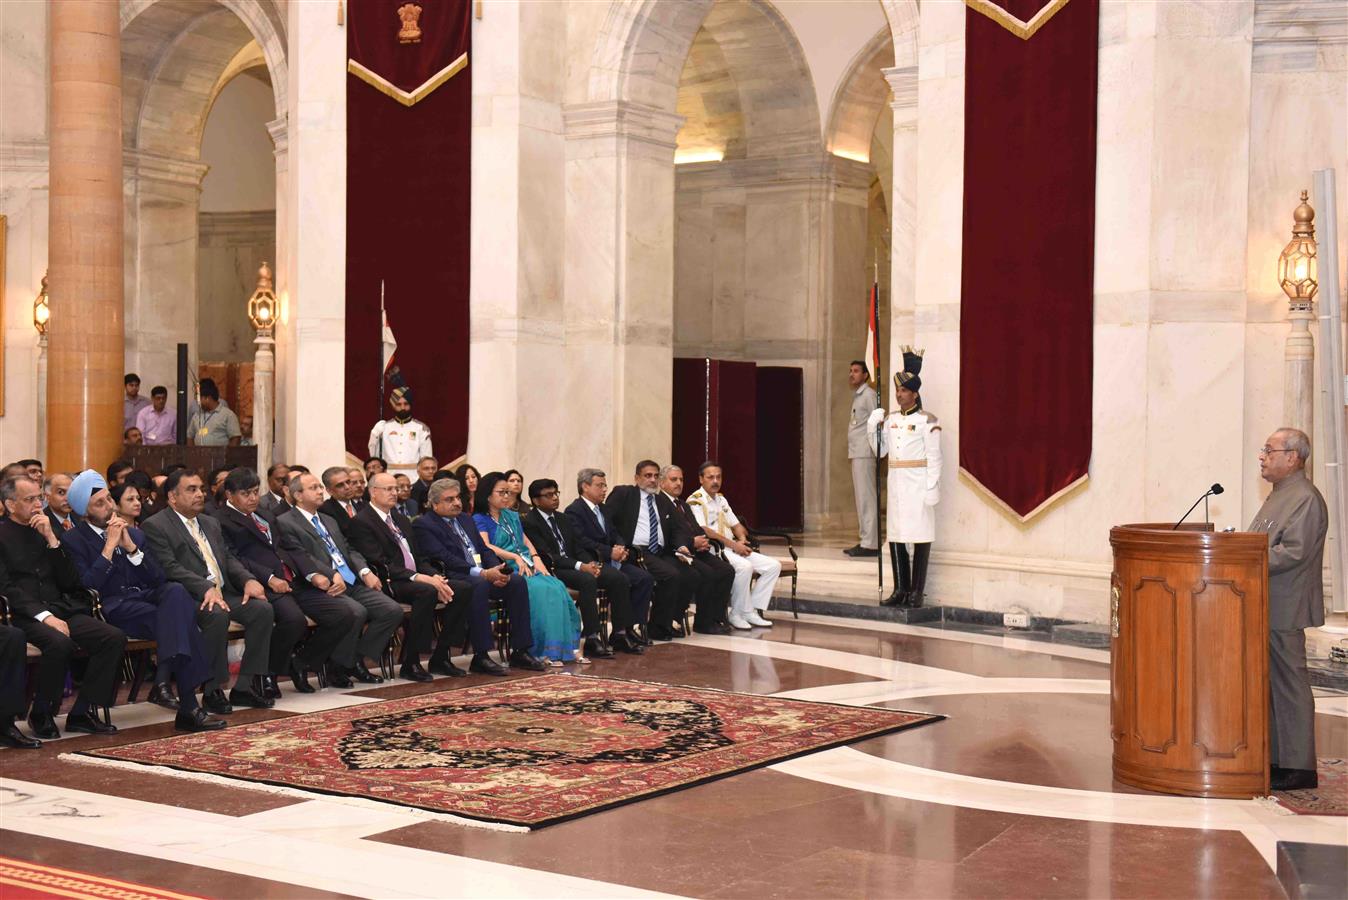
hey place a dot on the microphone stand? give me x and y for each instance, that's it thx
(1203, 500)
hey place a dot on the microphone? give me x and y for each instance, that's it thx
(1211, 492)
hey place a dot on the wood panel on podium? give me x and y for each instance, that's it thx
(1189, 670)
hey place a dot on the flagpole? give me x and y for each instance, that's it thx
(379, 410)
(879, 430)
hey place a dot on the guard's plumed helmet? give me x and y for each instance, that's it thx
(912, 365)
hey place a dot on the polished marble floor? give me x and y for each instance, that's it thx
(1011, 796)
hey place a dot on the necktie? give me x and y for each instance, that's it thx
(261, 524)
(557, 533)
(207, 554)
(67, 525)
(338, 560)
(408, 561)
(653, 540)
(463, 538)
(351, 509)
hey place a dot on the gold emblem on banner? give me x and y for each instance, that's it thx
(1021, 29)
(409, 13)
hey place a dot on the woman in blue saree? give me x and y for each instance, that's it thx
(552, 614)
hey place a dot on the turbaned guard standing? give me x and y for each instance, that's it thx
(911, 438)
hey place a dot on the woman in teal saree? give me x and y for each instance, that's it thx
(552, 614)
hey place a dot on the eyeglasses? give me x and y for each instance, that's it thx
(1266, 450)
(387, 487)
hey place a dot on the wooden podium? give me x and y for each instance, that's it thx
(1189, 671)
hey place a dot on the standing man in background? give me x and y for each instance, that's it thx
(214, 425)
(133, 403)
(861, 456)
(1295, 519)
(157, 422)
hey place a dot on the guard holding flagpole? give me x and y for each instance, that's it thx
(910, 437)
(401, 440)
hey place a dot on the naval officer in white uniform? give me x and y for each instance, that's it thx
(861, 456)
(402, 440)
(712, 511)
(911, 438)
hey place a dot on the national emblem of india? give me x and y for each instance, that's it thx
(409, 33)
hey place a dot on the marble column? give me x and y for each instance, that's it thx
(903, 228)
(619, 285)
(311, 237)
(85, 245)
(282, 390)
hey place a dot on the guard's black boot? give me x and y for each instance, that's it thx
(898, 563)
(921, 556)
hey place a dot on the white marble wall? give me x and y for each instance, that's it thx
(23, 201)
(311, 237)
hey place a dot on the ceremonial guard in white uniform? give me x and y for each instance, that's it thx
(402, 440)
(911, 439)
(712, 511)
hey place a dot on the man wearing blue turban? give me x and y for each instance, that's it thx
(139, 599)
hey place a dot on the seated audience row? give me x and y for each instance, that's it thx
(175, 561)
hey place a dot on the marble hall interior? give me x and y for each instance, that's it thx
(699, 448)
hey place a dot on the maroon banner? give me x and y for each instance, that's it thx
(409, 118)
(1029, 243)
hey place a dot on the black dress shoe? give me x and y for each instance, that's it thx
(624, 644)
(595, 648)
(364, 675)
(299, 677)
(88, 723)
(196, 720)
(246, 697)
(660, 633)
(637, 635)
(860, 552)
(270, 687)
(414, 672)
(1293, 779)
(162, 694)
(712, 628)
(485, 665)
(43, 725)
(339, 677)
(216, 702)
(523, 659)
(445, 667)
(851, 551)
(898, 598)
(11, 736)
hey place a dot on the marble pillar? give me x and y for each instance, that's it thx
(85, 249)
(903, 216)
(283, 393)
(311, 238)
(517, 358)
(618, 285)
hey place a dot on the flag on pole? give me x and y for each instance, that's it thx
(391, 374)
(872, 355)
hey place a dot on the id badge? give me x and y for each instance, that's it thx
(477, 560)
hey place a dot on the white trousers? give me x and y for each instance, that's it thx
(767, 569)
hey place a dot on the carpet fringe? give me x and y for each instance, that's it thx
(297, 793)
(1273, 804)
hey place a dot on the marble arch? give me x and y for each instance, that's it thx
(177, 55)
(860, 98)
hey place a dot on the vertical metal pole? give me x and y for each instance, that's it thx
(1332, 385)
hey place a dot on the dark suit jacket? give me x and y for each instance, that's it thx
(262, 556)
(545, 542)
(437, 541)
(270, 504)
(337, 513)
(36, 577)
(56, 525)
(597, 539)
(690, 526)
(176, 551)
(413, 508)
(372, 537)
(623, 507)
(116, 579)
(306, 546)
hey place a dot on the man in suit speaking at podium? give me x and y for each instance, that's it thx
(1295, 518)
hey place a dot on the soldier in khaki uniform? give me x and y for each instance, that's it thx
(911, 438)
(861, 456)
(402, 440)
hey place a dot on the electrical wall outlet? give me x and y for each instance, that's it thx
(1016, 620)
